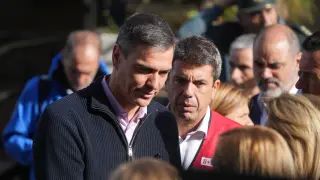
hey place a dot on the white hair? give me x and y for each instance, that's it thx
(243, 42)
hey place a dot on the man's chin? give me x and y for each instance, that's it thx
(186, 116)
(271, 93)
(143, 102)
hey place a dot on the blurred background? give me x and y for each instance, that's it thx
(33, 31)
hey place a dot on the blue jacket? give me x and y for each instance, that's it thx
(18, 134)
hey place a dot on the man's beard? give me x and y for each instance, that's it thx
(269, 93)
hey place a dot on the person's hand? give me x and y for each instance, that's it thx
(225, 3)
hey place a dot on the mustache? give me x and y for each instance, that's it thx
(269, 80)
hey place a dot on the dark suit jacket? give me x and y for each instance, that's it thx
(255, 110)
(79, 137)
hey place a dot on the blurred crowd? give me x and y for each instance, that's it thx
(236, 99)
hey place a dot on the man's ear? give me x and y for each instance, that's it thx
(116, 52)
(216, 85)
(298, 58)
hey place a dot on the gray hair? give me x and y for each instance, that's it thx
(145, 29)
(243, 42)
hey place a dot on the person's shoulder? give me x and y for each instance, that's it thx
(254, 100)
(160, 113)
(155, 106)
(223, 121)
(76, 100)
(32, 82)
(64, 103)
(30, 88)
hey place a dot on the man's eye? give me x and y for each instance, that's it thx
(258, 64)
(179, 81)
(163, 73)
(243, 68)
(232, 65)
(143, 70)
(199, 83)
(274, 66)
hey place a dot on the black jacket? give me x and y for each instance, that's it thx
(255, 110)
(79, 137)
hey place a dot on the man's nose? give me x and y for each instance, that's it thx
(188, 90)
(235, 74)
(265, 17)
(153, 81)
(266, 73)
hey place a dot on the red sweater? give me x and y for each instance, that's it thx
(218, 124)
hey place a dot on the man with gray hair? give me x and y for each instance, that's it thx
(88, 134)
(276, 57)
(191, 87)
(241, 63)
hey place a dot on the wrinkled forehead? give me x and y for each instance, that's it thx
(272, 50)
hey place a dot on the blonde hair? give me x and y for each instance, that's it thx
(227, 98)
(254, 151)
(299, 123)
(145, 168)
(314, 99)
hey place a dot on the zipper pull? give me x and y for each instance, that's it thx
(130, 153)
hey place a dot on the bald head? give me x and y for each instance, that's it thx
(81, 58)
(276, 60)
(81, 38)
(279, 34)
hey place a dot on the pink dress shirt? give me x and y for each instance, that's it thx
(128, 125)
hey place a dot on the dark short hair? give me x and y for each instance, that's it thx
(312, 43)
(145, 29)
(199, 51)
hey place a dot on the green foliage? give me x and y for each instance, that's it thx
(301, 11)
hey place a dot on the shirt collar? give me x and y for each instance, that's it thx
(294, 90)
(204, 125)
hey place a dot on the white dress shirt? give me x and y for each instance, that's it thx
(191, 144)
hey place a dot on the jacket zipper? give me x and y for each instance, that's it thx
(130, 153)
(130, 145)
